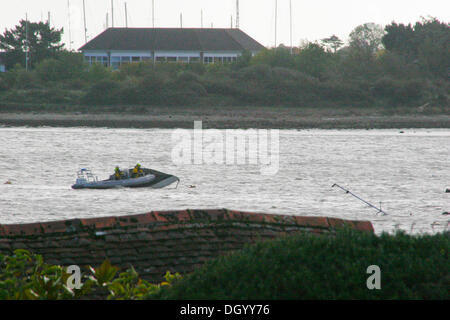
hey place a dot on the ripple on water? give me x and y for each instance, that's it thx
(407, 172)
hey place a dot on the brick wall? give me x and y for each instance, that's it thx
(178, 241)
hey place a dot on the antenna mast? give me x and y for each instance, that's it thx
(201, 18)
(276, 21)
(126, 16)
(84, 17)
(237, 14)
(181, 20)
(26, 42)
(290, 13)
(112, 13)
(70, 29)
(153, 13)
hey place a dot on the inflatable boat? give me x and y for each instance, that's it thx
(150, 178)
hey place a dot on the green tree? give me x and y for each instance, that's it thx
(426, 44)
(66, 65)
(332, 42)
(400, 39)
(314, 60)
(276, 57)
(42, 41)
(367, 37)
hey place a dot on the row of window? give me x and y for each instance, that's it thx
(118, 61)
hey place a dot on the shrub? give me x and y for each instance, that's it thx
(308, 266)
(105, 92)
(399, 92)
(66, 66)
(25, 276)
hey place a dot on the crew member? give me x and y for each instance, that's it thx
(137, 171)
(118, 173)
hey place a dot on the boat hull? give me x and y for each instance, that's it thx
(152, 179)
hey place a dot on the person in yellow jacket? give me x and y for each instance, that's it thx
(118, 174)
(137, 171)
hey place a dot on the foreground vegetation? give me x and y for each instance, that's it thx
(323, 267)
(25, 276)
(400, 66)
(304, 266)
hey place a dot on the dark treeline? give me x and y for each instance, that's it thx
(400, 65)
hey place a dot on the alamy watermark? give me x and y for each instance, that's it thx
(227, 147)
(74, 281)
(374, 281)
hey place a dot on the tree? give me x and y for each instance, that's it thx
(314, 60)
(426, 44)
(43, 43)
(275, 57)
(367, 37)
(66, 65)
(332, 42)
(400, 39)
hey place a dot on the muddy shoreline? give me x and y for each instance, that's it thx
(230, 118)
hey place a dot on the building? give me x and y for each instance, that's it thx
(2, 63)
(117, 46)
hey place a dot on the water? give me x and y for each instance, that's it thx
(408, 172)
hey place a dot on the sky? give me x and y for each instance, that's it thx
(311, 20)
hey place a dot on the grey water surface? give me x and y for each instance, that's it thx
(407, 172)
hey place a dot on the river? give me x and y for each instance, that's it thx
(406, 170)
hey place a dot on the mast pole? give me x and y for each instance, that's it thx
(276, 21)
(84, 18)
(126, 16)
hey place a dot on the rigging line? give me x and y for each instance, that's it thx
(359, 198)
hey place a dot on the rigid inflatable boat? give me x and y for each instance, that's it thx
(150, 178)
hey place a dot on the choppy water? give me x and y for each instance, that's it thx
(408, 172)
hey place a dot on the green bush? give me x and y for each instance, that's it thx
(66, 66)
(25, 276)
(309, 266)
(399, 92)
(104, 92)
(49, 95)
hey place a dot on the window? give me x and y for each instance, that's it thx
(124, 60)
(160, 59)
(146, 59)
(103, 60)
(194, 59)
(115, 62)
(135, 59)
(208, 60)
(171, 59)
(183, 59)
(217, 59)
